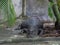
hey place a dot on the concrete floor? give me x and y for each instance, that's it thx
(35, 43)
(4, 34)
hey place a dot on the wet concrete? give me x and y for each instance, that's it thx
(4, 34)
(35, 43)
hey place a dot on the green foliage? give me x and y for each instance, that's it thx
(11, 13)
(58, 3)
(3, 8)
(50, 12)
(8, 11)
(55, 10)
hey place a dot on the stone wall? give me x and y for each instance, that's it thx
(18, 6)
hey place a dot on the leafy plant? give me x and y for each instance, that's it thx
(7, 9)
(58, 3)
(50, 12)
